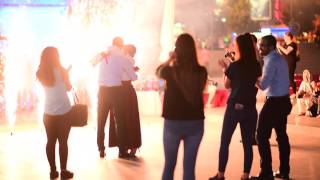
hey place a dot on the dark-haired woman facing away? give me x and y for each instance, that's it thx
(55, 80)
(241, 77)
(182, 106)
(289, 51)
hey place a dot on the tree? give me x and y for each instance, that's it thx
(237, 14)
(316, 22)
(303, 12)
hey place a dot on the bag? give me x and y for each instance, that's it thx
(78, 115)
(313, 109)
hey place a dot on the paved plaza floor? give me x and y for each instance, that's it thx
(22, 153)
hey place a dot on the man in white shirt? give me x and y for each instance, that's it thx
(113, 64)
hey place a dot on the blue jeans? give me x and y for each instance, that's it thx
(247, 118)
(191, 133)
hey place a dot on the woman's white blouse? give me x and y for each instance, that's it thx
(56, 98)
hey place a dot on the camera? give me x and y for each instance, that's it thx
(230, 55)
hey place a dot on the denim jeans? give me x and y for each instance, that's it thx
(191, 133)
(247, 118)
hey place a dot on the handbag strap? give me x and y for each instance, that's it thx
(75, 97)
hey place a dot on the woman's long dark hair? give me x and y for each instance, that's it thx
(289, 34)
(49, 60)
(187, 69)
(246, 49)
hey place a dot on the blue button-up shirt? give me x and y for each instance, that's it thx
(275, 75)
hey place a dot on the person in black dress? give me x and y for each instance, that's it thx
(132, 121)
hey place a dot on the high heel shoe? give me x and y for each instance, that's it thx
(102, 153)
(133, 152)
(54, 174)
(245, 176)
(65, 174)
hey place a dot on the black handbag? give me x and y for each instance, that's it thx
(78, 115)
(313, 109)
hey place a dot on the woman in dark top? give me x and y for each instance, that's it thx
(289, 50)
(183, 106)
(241, 76)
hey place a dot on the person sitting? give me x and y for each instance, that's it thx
(315, 108)
(304, 95)
(211, 89)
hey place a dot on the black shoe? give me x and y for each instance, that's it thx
(54, 174)
(133, 152)
(280, 175)
(245, 178)
(216, 177)
(65, 174)
(262, 177)
(102, 154)
(124, 155)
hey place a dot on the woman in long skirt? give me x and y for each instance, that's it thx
(133, 139)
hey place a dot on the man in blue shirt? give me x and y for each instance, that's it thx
(275, 81)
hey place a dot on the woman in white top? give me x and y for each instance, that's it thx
(305, 94)
(56, 83)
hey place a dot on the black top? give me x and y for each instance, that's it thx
(243, 79)
(292, 56)
(175, 106)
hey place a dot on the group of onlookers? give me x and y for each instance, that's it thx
(183, 108)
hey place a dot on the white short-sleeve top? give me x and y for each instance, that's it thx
(56, 98)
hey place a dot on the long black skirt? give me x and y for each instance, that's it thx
(132, 122)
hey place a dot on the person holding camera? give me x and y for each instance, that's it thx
(290, 52)
(240, 76)
(55, 80)
(182, 106)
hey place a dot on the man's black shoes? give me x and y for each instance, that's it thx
(262, 177)
(280, 175)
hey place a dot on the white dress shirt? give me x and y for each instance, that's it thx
(113, 68)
